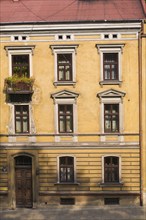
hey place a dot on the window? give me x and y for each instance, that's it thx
(110, 66)
(65, 109)
(64, 64)
(20, 65)
(66, 169)
(65, 118)
(111, 117)
(21, 118)
(20, 60)
(111, 169)
(110, 63)
(111, 113)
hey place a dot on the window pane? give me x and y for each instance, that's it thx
(111, 117)
(62, 124)
(63, 175)
(111, 169)
(64, 62)
(66, 169)
(20, 65)
(18, 125)
(110, 66)
(65, 118)
(25, 124)
(68, 124)
(21, 119)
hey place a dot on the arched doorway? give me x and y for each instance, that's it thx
(23, 181)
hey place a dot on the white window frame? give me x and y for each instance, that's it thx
(65, 98)
(112, 101)
(22, 50)
(111, 97)
(58, 169)
(11, 126)
(113, 48)
(64, 49)
(120, 169)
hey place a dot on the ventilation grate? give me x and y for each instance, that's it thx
(111, 201)
(67, 201)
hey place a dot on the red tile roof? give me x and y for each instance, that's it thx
(69, 10)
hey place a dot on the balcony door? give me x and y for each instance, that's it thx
(23, 181)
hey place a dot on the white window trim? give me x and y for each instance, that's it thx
(110, 48)
(112, 101)
(111, 96)
(11, 126)
(120, 169)
(65, 98)
(58, 170)
(66, 49)
(22, 50)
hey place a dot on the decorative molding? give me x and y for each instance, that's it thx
(18, 48)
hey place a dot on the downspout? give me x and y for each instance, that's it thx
(140, 109)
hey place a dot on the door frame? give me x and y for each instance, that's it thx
(12, 192)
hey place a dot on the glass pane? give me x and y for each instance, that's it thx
(115, 160)
(62, 124)
(61, 109)
(115, 108)
(62, 160)
(70, 174)
(25, 124)
(18, 125)
(68, 124)
(114, 126)
(69, 109)
(63, 174)
(70, 160)
(25, 109)
(67, 75)
(107, 125)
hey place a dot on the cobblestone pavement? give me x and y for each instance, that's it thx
(76, 213)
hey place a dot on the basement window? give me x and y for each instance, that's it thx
(67, 201)
(111, 201)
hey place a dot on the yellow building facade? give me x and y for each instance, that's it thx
(70, 115)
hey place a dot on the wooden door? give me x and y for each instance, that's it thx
(23, 185)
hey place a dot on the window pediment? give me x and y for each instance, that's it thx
(64, 95)
(111, 93)
(20, 48)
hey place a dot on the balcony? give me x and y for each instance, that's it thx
(18, 85)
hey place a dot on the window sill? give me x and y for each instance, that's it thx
(111, 184)
(66, 183)
(110, 82)
(64, 83)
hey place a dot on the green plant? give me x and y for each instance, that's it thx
(15, 79)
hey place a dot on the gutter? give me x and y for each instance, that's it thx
(140, 109)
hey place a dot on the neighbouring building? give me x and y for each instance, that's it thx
(70, 103)
(143, 112)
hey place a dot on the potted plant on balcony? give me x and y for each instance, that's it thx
(17, 83)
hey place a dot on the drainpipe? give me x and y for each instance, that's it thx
(140, 109)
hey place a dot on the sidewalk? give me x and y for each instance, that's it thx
(76, 213)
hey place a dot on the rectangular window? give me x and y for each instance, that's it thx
(66, 169)
(21, 118)
(111, 169)
(111, 118)
(20, 65)
(64, 66)
(65, 118)
(110, 66)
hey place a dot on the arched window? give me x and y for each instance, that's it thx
(66, 169)
(111, 169)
